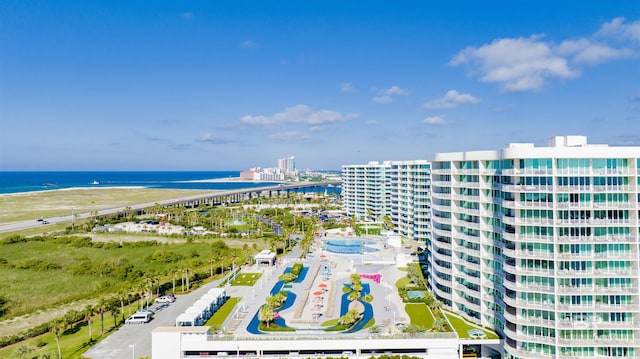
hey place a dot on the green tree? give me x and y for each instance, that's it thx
(88, 313)
(266, 315)
(58, 327)
(102, 306)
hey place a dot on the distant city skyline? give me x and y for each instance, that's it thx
(226, 85)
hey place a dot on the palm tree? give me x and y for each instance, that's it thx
(266, 315)
(88, 313)
(102, 303)
(58, 327)
(439, 325)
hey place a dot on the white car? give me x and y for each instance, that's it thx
(165, 299)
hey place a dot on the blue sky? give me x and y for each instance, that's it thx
(227, 85)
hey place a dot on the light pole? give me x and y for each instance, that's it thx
(133, 351)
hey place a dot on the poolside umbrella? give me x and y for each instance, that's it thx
(318, 293)
(322, 285)
(323, 256)
(318, 300)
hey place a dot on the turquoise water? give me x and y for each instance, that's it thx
(350, 246)
(416, 294)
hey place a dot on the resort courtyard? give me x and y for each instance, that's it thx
(308, 321)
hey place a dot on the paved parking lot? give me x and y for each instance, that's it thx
(134, 340)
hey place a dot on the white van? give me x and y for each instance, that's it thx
(138, 318)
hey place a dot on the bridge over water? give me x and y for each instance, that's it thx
(238, 195)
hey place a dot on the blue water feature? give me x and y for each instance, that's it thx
(368, 309)
(254, 325)
(349, 246)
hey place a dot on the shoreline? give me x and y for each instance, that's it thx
(68, 189)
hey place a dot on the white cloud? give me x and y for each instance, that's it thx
(371, 122)
(618, 28)
(584, 50)
(435, 120)
(521, 64)
(299, 114)
(249, 44)
(382, 99)
(452, 99)
(395, 91)
(526, 64)
(347, 87)
(386, 96)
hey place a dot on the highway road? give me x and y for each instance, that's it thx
(34, 223)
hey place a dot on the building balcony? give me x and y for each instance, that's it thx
(442, 257)
(598, 307)
(596, 290)
(442, 281)
(524, 337)
(527, 254)
(528, 354)
(596, 324)
(441, 183)
(526, 188)
(534, 205)
(439, 231)
(612, 205)
(518, 319)
(528, 304)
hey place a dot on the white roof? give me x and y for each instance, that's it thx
(186, 318)
(216, 291)
(194, 310)
(201, 304)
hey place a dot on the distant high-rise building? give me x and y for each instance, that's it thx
(287, 165)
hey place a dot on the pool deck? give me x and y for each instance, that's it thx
(311, 310)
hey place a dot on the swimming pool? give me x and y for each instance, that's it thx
(350, 246)
(416, 294)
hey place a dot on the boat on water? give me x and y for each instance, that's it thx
(95, 182)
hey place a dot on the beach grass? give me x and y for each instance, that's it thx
(74, 341)
(54, 203)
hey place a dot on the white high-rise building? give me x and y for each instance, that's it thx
(366, 190)
(398, 189)
(540, 243)
(411, 199)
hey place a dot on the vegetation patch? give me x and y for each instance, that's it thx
(215, 322)
(246, 279)
(462, 327)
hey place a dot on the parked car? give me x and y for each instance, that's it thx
(138, 318)
(145, 311)
(166, 299)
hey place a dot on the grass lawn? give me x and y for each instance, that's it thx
(462, 327)
(221, 314)
(55, 203)
(403, 282)
(419, 314)
(73, 342)
(246, 279)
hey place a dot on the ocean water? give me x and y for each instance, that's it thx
(15, 182)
